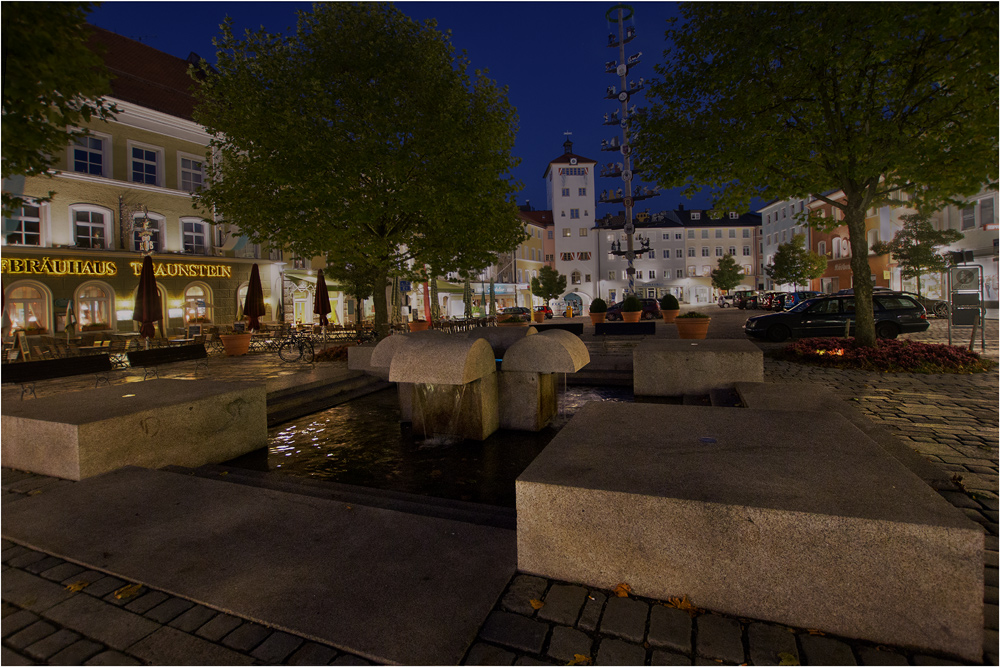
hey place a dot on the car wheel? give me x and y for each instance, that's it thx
(886, 330)
(777, 333)
(941, 309)
(647, 316)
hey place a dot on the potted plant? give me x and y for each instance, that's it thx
(669, 307)
(631, 308)
(538, 316)
(598, 307)
(235, 344)
(692, 325)
(419, 325)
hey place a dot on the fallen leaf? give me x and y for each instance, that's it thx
(224, 472)
(536, 604)
(579, 659)
(77, 586)
(683, 604)
(622, 590)
(816, 632)
(131, 590)
(34, 492)
(788, 659)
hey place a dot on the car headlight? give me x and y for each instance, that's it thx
(750, 324)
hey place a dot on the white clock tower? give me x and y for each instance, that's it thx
(569, 184)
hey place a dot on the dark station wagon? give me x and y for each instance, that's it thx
(895, 313)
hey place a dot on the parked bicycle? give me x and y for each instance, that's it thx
(297, 346)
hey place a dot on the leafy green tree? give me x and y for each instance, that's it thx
(549, 284)
(795, 264)
(915, 246)
(361, 133)
(727, 274)
(52, 83)
(782, 100)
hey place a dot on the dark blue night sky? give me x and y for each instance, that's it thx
(551, 56)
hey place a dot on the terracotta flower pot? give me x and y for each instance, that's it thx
(669, 315)
(538, 316)
(692, 327)
(597, 318)
(419, 325)
(235, 344)
(631, 317)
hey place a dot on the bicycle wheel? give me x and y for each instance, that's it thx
(290, 351)
(307, 351)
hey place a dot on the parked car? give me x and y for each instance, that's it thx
(727, 300)
(746, 300)
(895, 313)
(795, 298)
(546, 310)
(650, 310)
(516, 310)
(766, 300)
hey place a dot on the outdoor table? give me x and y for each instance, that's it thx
(180, 341)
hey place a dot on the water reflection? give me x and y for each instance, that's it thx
(362, 442)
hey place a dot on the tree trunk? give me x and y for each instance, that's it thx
(864, 312)
(381, 305)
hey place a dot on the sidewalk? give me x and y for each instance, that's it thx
(949, 419)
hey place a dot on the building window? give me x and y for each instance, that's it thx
(704, 251)
(666, 254)
(551, 234)
(94, 303)
(583, 256)
(652, 275)
(692, 271)
(574, 213)
(195, 237)
(872, 240)
(155, 226)
(575, 278)
(566, 256)
(680, 273)
(746, 233)
(666, 236)
(638, 275)
(582, 192)
(691, 251)
(567, 232)
(192, 174)
(732, 250)
(565, 192)
(718, 251)
(835, 244)
(583, 231)
(586, 277)
(28, 307)
(746, 251)
(145, 165)
(197, 304)
(611, 275)
(678, 236)
(969, 217)
(88, 155)
(520, 279)
(690, 233)
(706, 269)
(784, 235)
(718, 233)
(732, 233)
(90, 228)
(986, 212)
(704, 233)
(821, 247)
(746, 270)
(24, 227)
(549, 258)
(695, 215)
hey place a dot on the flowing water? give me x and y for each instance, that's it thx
(362, 442)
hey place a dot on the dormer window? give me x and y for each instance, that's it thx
(695, 215)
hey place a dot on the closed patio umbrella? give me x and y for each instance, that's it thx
(253, 305)
(148, 308)
(321, 304)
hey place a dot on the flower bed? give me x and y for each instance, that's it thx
(899, 356)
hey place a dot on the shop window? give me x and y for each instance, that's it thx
(28, 307)
(94, 307)
(195, 236)
(24, 227)
(155, 226)
(197, 304)
(90, 227)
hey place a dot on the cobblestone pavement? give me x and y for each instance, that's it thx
(952, 420)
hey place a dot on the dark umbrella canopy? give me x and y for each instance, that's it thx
(321, 304)
(148, 308)
(253, 306)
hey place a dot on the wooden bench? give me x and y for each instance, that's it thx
(148, 360)
(26, 373)
(625, 329)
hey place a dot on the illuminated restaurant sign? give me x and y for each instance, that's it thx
(47, 266)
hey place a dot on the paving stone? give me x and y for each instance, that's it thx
(146, 602)
(870, 656)
(487, 654)
(192, 619)
(276, 648)
(670, 628)
(528, 660)
(348, 659)
(990, 614)
(617, 652)
(515, 631)
(112, 658)
(87, 576)
(990, 594)
(567, 643)
(103, 586)
(25, 558)
(522, 590)
(169, 646)
(101, 621)
(563, 604)
(40, 566)
(31, 592)
(661, 657)
(625, 618)
(312, 653)
(7, 609)
(825, 651)
(57, 641)
(719, 638)
(62, 571)
(768, 641)
(590, 617)
(168, 610)
(990, 577)
(26, 637)
(932, 660)
(246, 636)
(9, 657)
(77, 653)
(19, 620)
(218, 627)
